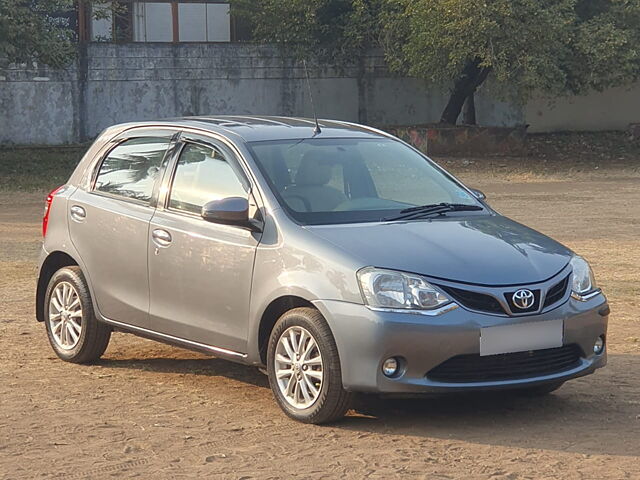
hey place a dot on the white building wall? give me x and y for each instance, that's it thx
(612, 109)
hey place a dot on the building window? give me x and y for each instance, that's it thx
(165, 21)
(152, 22)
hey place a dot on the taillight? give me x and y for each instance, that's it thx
(47, 209)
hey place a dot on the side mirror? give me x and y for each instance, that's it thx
(478, 194)
(229, 211)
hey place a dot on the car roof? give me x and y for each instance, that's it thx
(261, 128)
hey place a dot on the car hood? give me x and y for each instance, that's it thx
(483, 250)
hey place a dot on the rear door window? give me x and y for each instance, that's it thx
(131, 169)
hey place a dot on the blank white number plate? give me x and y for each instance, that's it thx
(521, 337)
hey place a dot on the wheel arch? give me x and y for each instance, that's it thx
(54, 262)
(270, 316)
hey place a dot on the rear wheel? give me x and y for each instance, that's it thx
(304, 368)
(73, 330)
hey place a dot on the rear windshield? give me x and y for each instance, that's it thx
(324, 181)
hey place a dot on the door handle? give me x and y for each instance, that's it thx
(161, 238)
(78, 213)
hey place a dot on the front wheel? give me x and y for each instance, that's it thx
(304, 368)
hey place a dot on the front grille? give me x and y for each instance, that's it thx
(556, 292)
(474, 300)
(487, 303)
(506, 366)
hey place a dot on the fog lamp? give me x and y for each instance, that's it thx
(598, 347)
(390, 367)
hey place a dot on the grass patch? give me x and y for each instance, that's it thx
(38, 168)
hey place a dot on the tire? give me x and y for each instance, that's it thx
(539, 390)
(72, 344)
(330, 401)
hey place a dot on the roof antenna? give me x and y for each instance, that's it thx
(316, 130)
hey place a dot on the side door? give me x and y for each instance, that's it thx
(200, 272)
(109, 223)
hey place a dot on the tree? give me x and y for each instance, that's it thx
(42, 30)
(553, 46)
(36, 30)
(326, 29)
(524, 46)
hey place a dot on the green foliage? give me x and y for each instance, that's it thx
(43, 30)
(606, 44)
(335, 29)
(36, 30)
(553, 46)
(556, 46)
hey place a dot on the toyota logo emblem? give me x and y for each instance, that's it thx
(523, 299)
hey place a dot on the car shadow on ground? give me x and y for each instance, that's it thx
(212, 367)
(597, 414)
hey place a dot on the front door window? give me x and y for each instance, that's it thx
(203, 174)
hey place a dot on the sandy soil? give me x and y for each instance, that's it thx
(153, 411)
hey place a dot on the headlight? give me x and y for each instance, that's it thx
(398, 290)
(582, 280)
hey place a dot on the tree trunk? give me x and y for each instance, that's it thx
(470, 79)
(363, 87)
(454, 106)
(469, 112)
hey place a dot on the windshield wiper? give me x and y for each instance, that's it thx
(432, 209)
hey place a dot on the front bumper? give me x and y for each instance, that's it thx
(365, 338)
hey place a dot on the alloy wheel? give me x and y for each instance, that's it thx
(298, 367)
(65, 315)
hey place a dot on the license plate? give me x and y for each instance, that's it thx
(521, 337)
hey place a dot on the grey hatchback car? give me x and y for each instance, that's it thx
(339, 258)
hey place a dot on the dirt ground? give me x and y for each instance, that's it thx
(152, 411)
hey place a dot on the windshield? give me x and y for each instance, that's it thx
(324, 181)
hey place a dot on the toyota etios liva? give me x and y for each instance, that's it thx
(339, 258)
